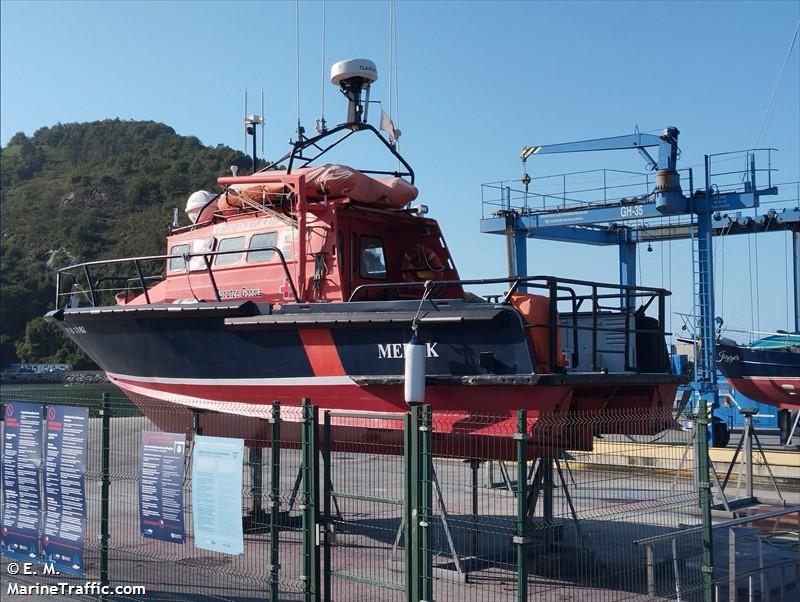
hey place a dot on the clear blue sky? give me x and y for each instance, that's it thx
(476, 82)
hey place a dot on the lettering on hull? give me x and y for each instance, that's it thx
(397, 351)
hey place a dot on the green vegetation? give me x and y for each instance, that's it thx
(83, 191)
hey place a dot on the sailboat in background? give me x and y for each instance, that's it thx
(765, 370)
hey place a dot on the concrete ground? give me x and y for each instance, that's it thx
(623, 491)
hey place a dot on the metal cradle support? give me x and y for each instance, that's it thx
(749, 435)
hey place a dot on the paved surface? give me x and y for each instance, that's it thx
(617, 499)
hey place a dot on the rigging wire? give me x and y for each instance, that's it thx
(661, 249)
(757, 292)
(771, 104)
(722, 278)
(639, 261)
(669, 251)
(395, 76)
(750, 275)
(321, 125)
(720, 253)
(297, 60)
(394, 94)
(391, 58)
(787, 237)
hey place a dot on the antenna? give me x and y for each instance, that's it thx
(322, 126)
(244, 117)
(353, 77)
(262, 121)
(250, 124)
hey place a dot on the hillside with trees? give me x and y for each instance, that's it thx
(84, 191)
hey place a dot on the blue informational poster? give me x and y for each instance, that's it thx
(65, 487)
(217, 494)
(22, 460)
(161, 486)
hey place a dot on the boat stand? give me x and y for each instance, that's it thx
(790, 435)
(458, 568)
(544, 484)
(296, 489)
(540, 485)
(256, 462)
(505, 481)
(690, 445)
(749, 435)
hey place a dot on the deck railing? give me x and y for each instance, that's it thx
(571, 297)
(93, 291)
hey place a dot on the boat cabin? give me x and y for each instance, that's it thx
(250, 243)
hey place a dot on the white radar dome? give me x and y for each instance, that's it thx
(363, 68)
(196, 202)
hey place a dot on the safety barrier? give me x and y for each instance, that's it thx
(344, 506)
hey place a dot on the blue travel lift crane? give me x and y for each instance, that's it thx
(606, 223)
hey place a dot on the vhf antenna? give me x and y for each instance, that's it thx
(251, 122)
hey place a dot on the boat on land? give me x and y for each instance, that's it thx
(306, 281)
(766, 370)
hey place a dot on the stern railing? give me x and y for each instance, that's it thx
(602, 299)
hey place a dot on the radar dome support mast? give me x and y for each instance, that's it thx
(251, 122)
(354, 77)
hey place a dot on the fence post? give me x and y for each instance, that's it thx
(310, 507)
(275, 503)
(408, 513)
(520, 539)
(412, 505)
(327, 486)
(704, 491)
(105, 470)
(425, 430)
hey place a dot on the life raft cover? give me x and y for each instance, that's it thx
(332, 180)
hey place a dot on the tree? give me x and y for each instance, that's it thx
(82, 191)
(40, 342)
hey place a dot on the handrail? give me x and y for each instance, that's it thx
(629, 293)
(66, 271)
(375, 415)
(732, 577)
(735, 522)
(303, 143)
(744, 150)
(517, 281)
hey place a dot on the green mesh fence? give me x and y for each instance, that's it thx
(441, 506)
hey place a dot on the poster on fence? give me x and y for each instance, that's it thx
(22, 459)
(161, 486)
(65, 455)
(217, 494)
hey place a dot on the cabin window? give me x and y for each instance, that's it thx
(177, 264)
(372, 264)
(259, 241)
(229, 244)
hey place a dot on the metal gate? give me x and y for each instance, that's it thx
(363, 504)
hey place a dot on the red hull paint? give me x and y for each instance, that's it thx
(781, 391)
(469, 422)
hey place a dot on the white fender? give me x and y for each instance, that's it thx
(414, 372)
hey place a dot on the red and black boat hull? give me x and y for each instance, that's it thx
(769, 376)
(227, 363)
